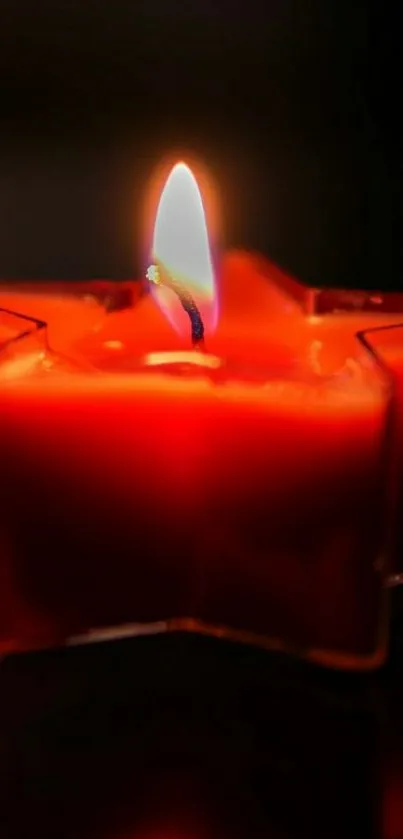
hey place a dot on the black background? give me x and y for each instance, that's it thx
(284, 100)
(191, 738)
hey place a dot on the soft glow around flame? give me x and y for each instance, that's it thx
(181, 247)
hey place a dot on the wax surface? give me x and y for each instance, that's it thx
(247, 498)
(67, 318)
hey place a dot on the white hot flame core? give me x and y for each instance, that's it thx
(181, 246)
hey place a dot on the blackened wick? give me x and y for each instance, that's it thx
(186, 299)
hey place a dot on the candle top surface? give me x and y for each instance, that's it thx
(265, 349)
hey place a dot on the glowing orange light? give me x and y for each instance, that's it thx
(22, 365)
(193, 358)
(181, 247)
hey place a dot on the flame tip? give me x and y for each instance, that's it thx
(181, 166)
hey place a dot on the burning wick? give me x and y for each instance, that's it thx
(186, 299)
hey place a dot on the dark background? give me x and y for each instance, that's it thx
(284, 100)
(186, 737)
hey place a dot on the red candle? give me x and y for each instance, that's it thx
(234, 488)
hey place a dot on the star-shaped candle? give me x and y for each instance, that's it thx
(205, 450)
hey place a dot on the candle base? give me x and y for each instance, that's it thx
(335, 659)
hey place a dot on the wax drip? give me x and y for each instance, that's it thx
(197, 326)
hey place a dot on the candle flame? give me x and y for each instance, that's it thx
(181, 247)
